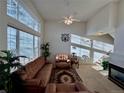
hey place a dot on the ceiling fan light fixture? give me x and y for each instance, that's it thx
(68, 21)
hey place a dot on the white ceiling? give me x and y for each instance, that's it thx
(57, 9)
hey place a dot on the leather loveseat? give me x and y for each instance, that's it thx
(35, 75)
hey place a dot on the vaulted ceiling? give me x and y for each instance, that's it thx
(57, 9)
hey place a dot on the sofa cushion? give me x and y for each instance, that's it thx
(22, 73)
(51, 88)
(33, 67)
(32, 82)
(65, 88)
(80, 87)
(74, 92)
(44, 74)
(23, 76)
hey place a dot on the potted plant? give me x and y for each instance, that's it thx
(45, 50)
(7, 62)
(105, 65)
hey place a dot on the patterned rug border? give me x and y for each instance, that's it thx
(72, 70)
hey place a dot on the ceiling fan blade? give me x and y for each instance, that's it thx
(69, 20)
(70, 17)
(61, 21)
(76, 20)
(65, 18)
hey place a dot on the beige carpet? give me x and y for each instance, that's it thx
(96, 81)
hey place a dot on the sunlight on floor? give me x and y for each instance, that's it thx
(100, 69)
(95, 79)
(97, 67)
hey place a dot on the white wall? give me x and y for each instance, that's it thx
(53, 31)
(104, 20)
(3, 24)
(119, 38)
(111, 18)
(99, 21)
(119, 43)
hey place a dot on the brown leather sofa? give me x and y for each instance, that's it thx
(35, 75)
(67, 88)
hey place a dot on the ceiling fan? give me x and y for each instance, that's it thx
(68, 20)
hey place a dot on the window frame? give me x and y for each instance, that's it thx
(18, 41)
(81, 40)
(80, 50)
(91, 48)
(103, 44)
(35, 22)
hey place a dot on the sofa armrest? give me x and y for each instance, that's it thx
(80, 87)
(51, 88)
(32, 82)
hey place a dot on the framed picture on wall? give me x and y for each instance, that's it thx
(65, 37)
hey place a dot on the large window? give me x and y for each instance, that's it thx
(23, 43)
(17, 11)
(80, 40)
(22, 15)
(85, 52)
(36, 46)
(26, 44)
(80, 51)
(93, 49)
(76, 50)
(103, 46)
(80, 45)
(12, 8)
(11, 34)
(98, 57)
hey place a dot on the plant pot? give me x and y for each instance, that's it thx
(2, 91)
(105, 68)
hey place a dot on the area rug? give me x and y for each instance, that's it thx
(65, 76)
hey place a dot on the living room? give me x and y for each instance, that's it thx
(92, 30)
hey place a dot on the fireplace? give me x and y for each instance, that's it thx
(116, 74)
